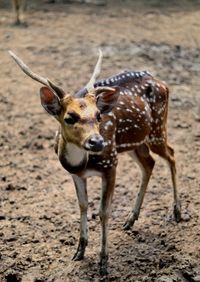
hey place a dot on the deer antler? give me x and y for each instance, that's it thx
(96, 72)
(45, 81)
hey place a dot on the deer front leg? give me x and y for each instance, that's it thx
(81, 191)
(108, 184)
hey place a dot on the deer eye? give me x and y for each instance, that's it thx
(98, 117)
(71, 118)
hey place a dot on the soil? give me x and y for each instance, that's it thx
(39, 214)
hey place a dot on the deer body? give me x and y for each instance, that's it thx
(126, 112)
(125, 128)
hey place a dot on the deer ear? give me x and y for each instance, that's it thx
(106, 98)
(50, 101)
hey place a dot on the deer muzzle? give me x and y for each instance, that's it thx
(94, 143)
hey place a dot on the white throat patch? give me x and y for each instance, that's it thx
(74, 154)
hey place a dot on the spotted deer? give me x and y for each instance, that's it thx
(19, 8)
(126, 112)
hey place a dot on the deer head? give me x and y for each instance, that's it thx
(79, 117)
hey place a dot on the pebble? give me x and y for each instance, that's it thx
(197, 278)
(182, 125)
(12, 276)
(10, 187)
(165, 278)
(2, 217)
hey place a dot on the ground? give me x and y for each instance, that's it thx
(39, 215)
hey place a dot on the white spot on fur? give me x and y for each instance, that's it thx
(107, 124)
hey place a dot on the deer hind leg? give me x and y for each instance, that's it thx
(108, 184)
(22, 10)
(167, 152)
(81, 191)
(146, 163)
(16, 8)
(19, 7)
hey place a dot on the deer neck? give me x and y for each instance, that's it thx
(73, 158)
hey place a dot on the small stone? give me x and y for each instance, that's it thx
(197, 118)
(35, 241)
(197, 278)
(11, 239)
(94, 216)
(185, 217)
(182, 125)
(141, 239)
(165, 278)
(197, 135)
(12, 276)
(12, 202)
(191, 176)
(38, 177)
(39, 279)
(171, 247)
(95, 2)
(10, 187)
(3, 178)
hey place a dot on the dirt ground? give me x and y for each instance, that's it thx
(39, 215)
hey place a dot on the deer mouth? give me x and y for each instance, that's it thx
(94, 143)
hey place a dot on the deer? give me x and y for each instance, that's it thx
(126, 112)
(19, 8)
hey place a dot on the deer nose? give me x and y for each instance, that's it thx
(94, 143)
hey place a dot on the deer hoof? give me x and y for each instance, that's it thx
(130, 221)
(103, 271)
(177, 212)
(79, 255)
(127, 226)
